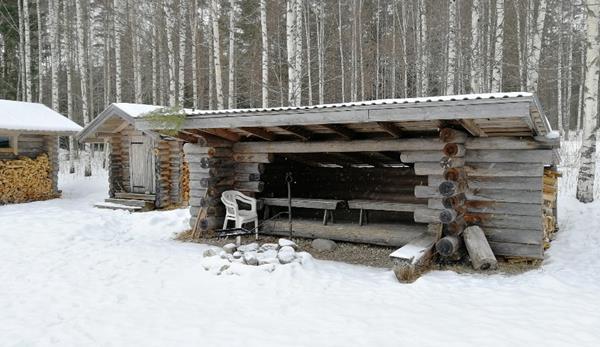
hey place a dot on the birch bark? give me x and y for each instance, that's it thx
(217, 54)
(231, 79)
(264, 54)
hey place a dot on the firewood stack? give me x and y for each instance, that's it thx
(550, 189)
(452, 190)
(163, 170)
(185, 182)
(25, 179)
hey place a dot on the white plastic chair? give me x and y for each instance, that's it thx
(230, 199)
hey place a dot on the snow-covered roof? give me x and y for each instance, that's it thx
(19, 116)
(136, 110)
(366, 103)
(128, 112)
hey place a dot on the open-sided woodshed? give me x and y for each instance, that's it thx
(146, 169)
(29, 150)
(388, 172)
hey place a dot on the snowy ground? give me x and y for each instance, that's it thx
(72, 275)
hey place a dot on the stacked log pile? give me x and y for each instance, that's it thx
(211, 171)
(249, 167)
(116, 170)
(26, 179)
(162, 155)
(503, 192)
(184, 182)
(550, 191)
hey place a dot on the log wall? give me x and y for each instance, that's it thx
(503, 191)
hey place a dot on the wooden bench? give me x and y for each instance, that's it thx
(378, 205)
(327, 205)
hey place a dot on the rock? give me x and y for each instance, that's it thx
(303, 258)
(237, 255)
(267, 267)
(323, 245)
(273, 261)
(211, 252)
(230, 248)
(287, 243)
(223, 255)
(271, 253)
(250, 258)
(286, 254)
(268, 246)
(223, 268)
(251, 247)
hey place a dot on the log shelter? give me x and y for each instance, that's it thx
(29, 164)
(146, 169)
(400, 171)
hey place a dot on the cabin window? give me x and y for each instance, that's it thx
(8, 143)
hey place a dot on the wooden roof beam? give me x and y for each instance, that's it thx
(341, 130)
(225, 134)
(391, 128)
(260, 133)
(298, 131)
(472, 127)
(187, 136)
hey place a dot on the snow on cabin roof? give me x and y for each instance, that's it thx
(136, 110)
(367, 103)
(19, 116)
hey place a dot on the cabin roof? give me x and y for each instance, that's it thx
(492, 114)
(113, 119)
(28, 117)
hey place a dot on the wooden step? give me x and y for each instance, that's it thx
(135, 196)
(111, 206)
(128, 202)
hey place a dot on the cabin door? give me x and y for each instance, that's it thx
(141, 165)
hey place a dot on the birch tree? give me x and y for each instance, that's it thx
(498, 46)
(533, 61)
(476, 67)
(194, 48)
(27, 32)
(341, 47)
(117, 12)
(264, 54)
(182, 52)
(451, 70)
(217, 53)
(585, 180)
(40, 52)
(170, 20)
(231, 77)
(82, 60)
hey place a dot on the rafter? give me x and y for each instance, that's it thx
(472, 127)
(391, 129)
(260, 133)
(341, 130)
(298, 131)
(226, 134)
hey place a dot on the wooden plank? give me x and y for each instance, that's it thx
(393, 145)
(148, 197)
(414, 258)
(323, 204)
(382, 205)
(472, 127)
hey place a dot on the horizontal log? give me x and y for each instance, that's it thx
(491, 207)
(486, 169)
(421, 156)
(197, 171)
(253, 157)
(509, 156)
(532, 237)
(449, 135)
(205, 202)
(511, 183)
(509, 249)
(247, 177)
(249, 168)
(426, 215)
(450, 188)
(503, 221)
(216, 181)
(257, 186)
(498, 195)
(451, 162)
(447, 216)
(396, 145)
(504, 143)
(480, 253)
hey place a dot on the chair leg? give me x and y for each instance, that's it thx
(225, 223)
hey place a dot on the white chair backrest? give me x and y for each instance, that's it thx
(231, 197)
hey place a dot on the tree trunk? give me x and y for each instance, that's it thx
(117, 37)
(82, 60)
(194, 48)
(320, 51)
(182, 51)
(451, 70)
(29, 78)
(341, 47)
(475, 47)
(40, 56)
(585, 180)
(498, 45)
(136, 54)
(68, 42)
(308, 51)
(537, 28)
(217, 54)
(264, 54)
(170, 20)
(54, 52)
(231, 79)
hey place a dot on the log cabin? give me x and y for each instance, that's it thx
(29, 151)
(146, 169)
(408, 173)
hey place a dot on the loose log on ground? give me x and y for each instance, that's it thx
(414, 258)
(448, 245)
(480, 253)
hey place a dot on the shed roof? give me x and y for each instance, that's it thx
(514, 114)
(20, 117)
(113, 118)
